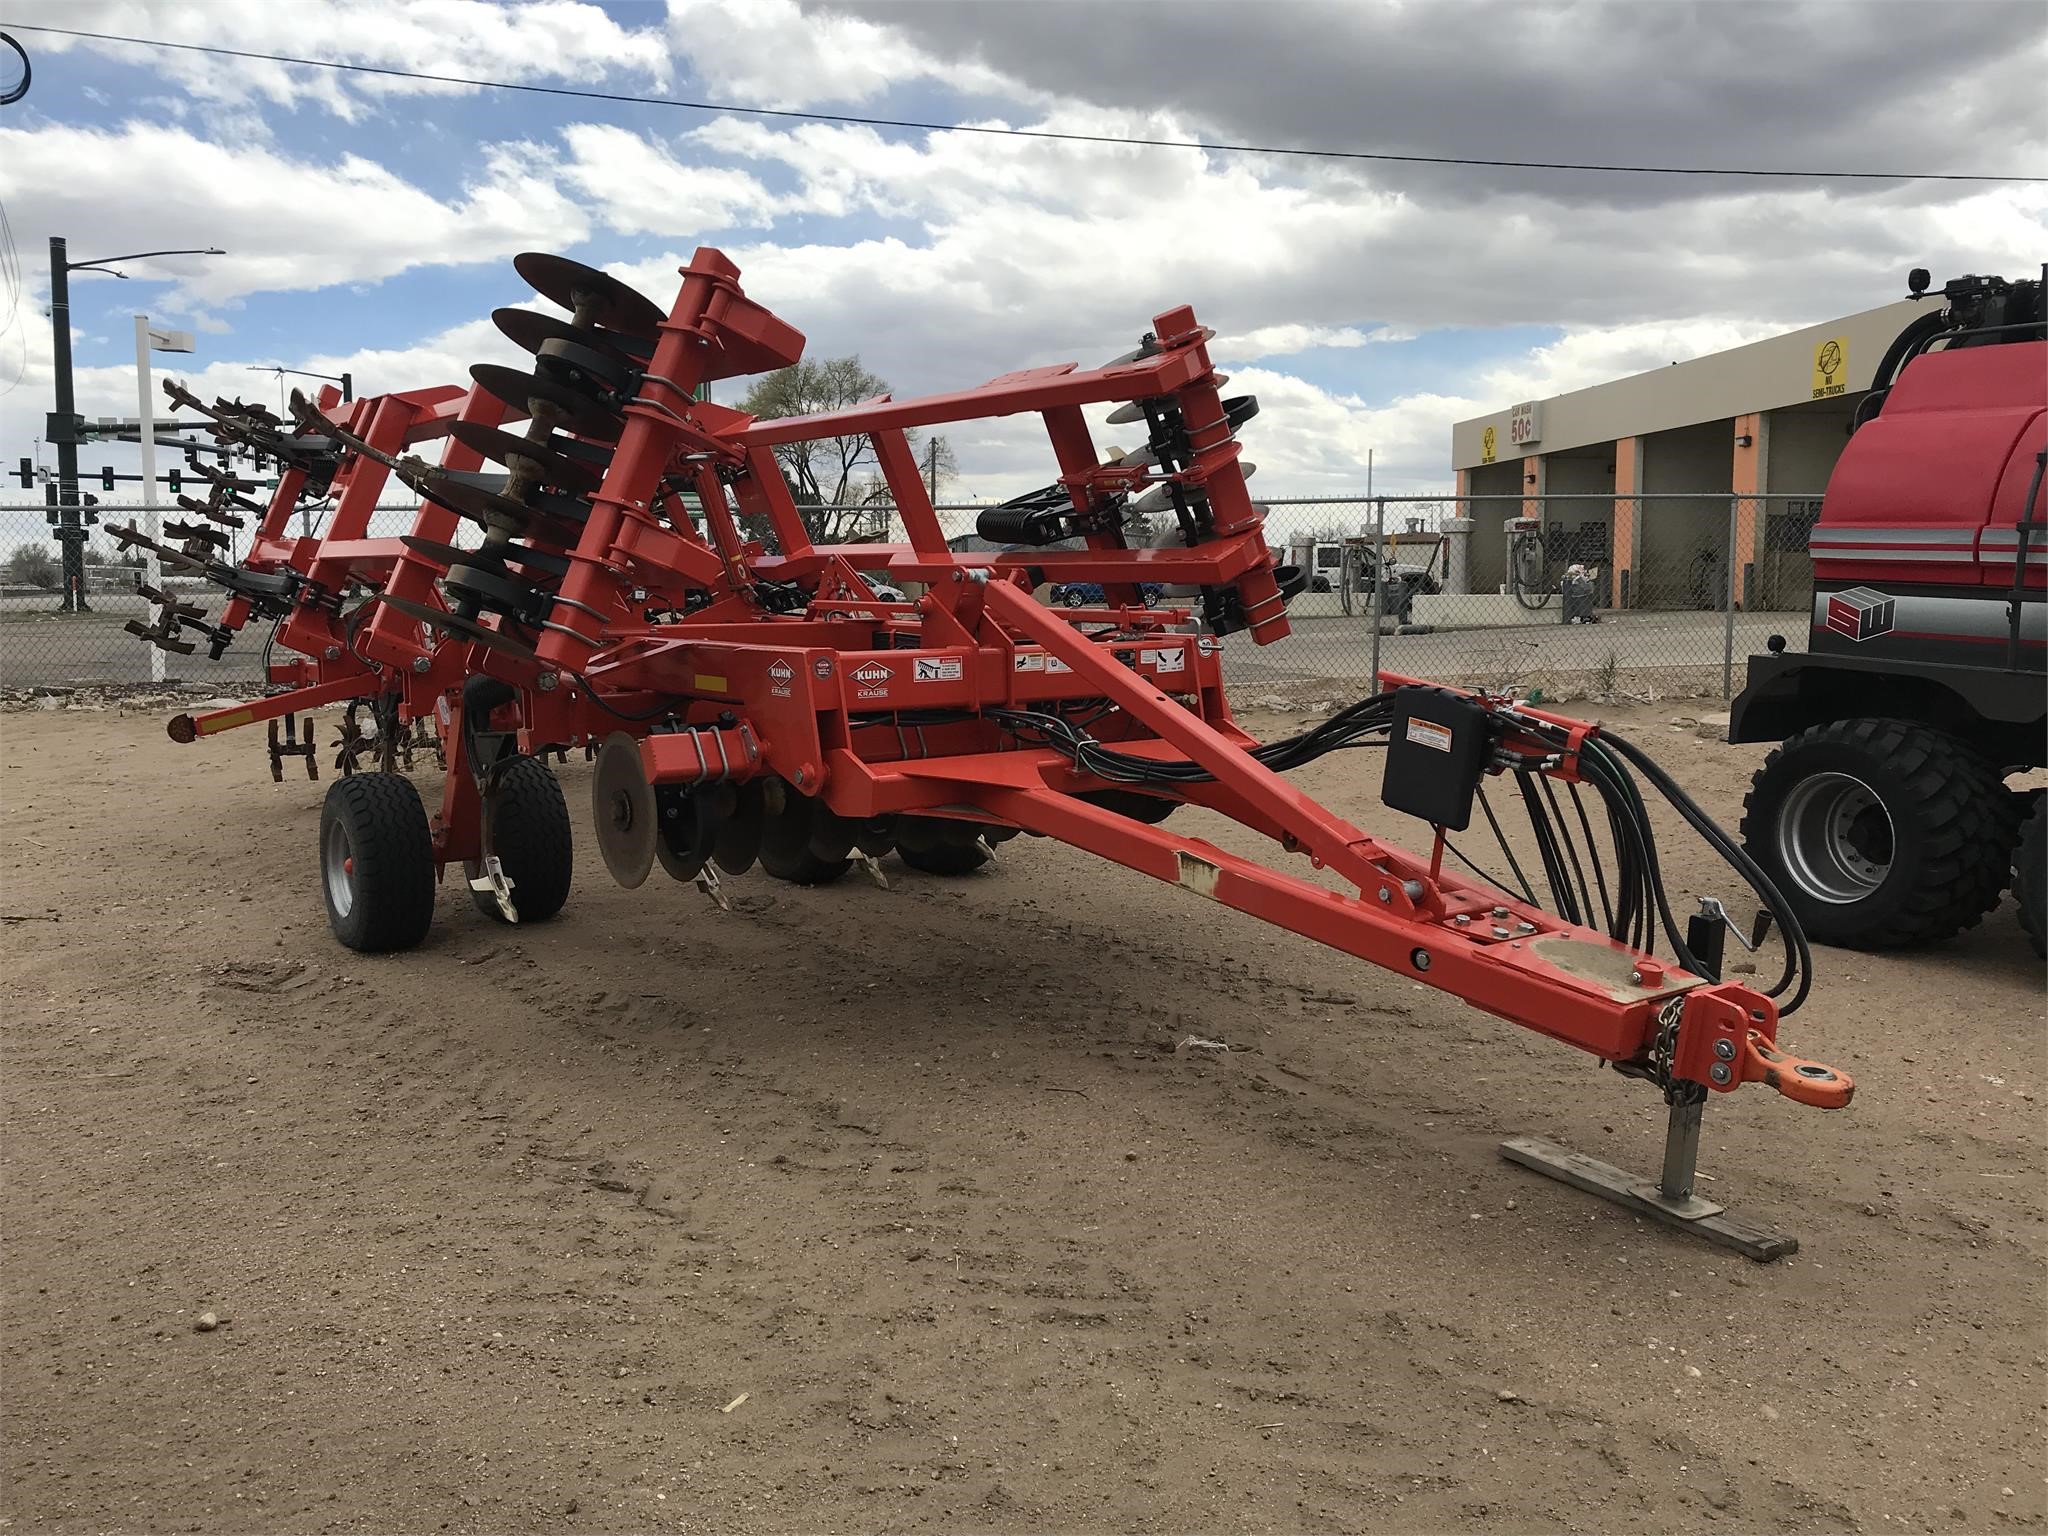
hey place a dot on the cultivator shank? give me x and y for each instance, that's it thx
(603, 559)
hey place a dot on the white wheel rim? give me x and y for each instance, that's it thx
(337, 860)
(1835, 838)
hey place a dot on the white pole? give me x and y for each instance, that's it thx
(152, 523)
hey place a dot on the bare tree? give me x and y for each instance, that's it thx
(834, 480)
(30, 565)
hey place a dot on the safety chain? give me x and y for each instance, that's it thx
(1662, 1050)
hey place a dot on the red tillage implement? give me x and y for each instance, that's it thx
(645, 581)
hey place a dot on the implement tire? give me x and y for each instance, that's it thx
(531, 833)
(376, 862)
(944, 858)
(2030, 876)
(1882, 834)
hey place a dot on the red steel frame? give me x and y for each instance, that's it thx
(818, 697)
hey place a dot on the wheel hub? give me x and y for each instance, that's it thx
(1835, 838)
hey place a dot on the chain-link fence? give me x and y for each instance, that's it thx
(1578, 595)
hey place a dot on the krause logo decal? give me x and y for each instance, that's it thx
(1860, 613)
(872, 680)
(780, 675)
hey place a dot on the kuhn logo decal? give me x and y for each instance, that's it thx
(1861, 613)
(872, 679)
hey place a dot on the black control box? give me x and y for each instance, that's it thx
(1438, 749)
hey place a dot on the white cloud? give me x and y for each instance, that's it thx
(287, 224)
(537, 41)
(770, 53)
(638, 187)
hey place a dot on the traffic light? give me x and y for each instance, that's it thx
(89, 501)
(26, 473)
(106, 477)
(177, 479)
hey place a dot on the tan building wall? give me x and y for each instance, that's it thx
(1765, 375)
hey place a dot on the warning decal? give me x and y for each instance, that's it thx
(1427, 733)
(938, 669)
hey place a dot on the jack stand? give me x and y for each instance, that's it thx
(1670, 1200)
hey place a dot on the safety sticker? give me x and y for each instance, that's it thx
(938, 669)
(1031, 661)
(1175, 660)
(1427, 733)
(1054, 664)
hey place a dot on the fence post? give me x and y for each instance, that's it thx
(1728, 603)
(1376, 557)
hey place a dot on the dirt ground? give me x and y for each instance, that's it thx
(874, 1210)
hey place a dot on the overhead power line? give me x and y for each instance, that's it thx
(1380, 156)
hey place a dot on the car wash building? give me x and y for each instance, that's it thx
(1614, 474)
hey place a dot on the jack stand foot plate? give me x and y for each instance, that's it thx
(1702, 1217)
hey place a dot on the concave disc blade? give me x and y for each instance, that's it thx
(596, 297)
(583, 414)
(556, 468)
(461, 628)
(739, 837)
(622, 806)
(529, 329)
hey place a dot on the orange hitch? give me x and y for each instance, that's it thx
(1800, 1080)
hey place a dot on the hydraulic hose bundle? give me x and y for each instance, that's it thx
(1630, 909)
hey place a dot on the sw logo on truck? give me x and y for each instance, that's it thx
(1860, 613)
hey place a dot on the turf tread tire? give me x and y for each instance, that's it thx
(392, 852)
(1952, 819)
(802, 867)
(534, 839)
(944, 858)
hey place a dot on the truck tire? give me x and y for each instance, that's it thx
(1881, 833)
(376, 862)
(2030, 876)
(533, 838)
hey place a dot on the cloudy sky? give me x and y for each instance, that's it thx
(370, 222)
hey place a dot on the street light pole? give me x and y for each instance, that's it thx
(64, 422)
(63, 431)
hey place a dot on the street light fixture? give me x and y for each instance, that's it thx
(65, 422)
(347, 381)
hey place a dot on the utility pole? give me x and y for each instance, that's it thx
(63, 433)
(931, 468)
